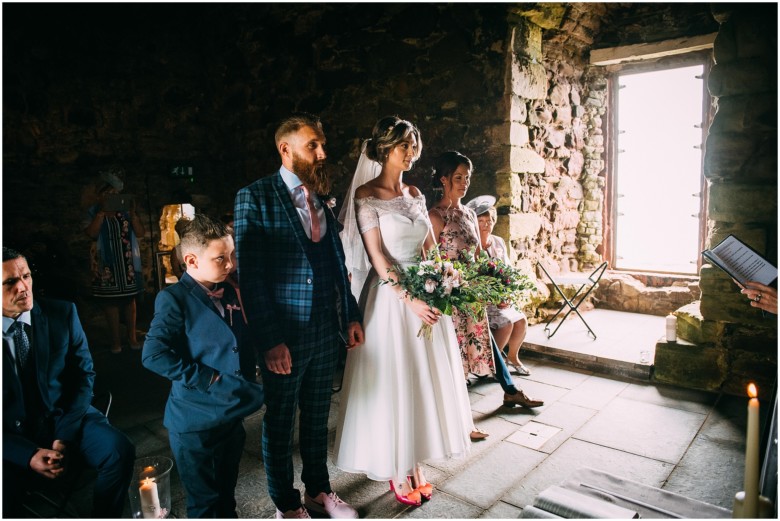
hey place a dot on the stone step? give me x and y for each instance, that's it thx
(588, 362)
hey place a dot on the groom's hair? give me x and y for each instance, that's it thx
(196, 234)
(294, 123)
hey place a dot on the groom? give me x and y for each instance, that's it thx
(291, 268)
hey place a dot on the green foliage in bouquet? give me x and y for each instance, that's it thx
(492, 281)
(436, 281)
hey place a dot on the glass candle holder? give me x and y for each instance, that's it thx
(150, 488)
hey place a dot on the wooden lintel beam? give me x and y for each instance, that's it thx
(649, 51)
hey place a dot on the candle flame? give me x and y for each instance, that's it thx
(752, 390)
(147, 481)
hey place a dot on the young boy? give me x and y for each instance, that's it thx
(195, 341)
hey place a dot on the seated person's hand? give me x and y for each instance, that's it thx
(48, 463)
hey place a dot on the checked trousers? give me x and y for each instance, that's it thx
(308, 387)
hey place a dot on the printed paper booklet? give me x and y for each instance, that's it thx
(741, 261)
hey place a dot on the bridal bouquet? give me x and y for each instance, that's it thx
(493, 281)
(436, 281)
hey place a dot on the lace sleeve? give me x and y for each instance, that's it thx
(367, 215)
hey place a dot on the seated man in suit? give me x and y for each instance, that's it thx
(47, 392)
(195, 341)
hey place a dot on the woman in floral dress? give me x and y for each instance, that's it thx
(455, 227)
(115, 259)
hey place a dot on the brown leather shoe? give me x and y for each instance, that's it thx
(520, 398)
(478, 434)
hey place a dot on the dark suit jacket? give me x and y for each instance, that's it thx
(188, 342)
(276, 276)
(65, 379)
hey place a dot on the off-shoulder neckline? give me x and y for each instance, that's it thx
(402, 196)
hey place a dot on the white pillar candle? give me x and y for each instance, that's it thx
(150, 500)
(671, 328)
(750, 508)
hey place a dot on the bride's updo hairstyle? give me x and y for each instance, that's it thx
(446, 164)
(388, 132)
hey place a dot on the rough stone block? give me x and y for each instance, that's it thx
(689, 365)
(518, 134)
(727, 153)
(518, 111)
(525, 160)
(750, 367)
(692, 326)
(751, 113)
(523, 225)
(508, 188)
(742, 203)
(747, 76)
(544, 15)
(527, 40)
(759, 340)
(529, 80)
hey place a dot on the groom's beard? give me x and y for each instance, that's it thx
(313, 175)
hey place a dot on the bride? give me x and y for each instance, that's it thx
(404, 401)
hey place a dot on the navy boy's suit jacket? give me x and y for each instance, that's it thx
(64, 378)
(189, 342)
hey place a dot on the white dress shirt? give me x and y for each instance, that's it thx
(8, 334)
(299, 201)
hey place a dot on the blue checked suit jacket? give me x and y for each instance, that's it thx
(275, 275)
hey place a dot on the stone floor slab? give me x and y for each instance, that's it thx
(574, 454)
(644, 429)
(442, 506)
(501, 510)
(569, 418)
(668, 396)
(558, 375)
(533, 435)
(480, 484)
(595, 392)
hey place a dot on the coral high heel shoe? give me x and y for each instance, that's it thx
(411, 499)
(426, 491)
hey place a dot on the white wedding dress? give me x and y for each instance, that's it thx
(404, 398)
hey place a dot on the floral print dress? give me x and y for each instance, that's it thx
(460, 233)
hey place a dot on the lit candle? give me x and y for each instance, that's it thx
(750, 508)
(150, 501)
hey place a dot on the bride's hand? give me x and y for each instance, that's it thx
(426, 313)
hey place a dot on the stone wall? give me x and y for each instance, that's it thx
(741, 171)
(152, 86)
(552, 196)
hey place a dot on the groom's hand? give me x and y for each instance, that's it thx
(278, 359)
(354, 335)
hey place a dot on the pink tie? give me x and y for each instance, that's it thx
(313, 219)
(216, 294)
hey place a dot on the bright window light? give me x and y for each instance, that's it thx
(658, 176)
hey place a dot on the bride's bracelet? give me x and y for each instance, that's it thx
(402, 295)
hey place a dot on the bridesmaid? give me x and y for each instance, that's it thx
(455, 227)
